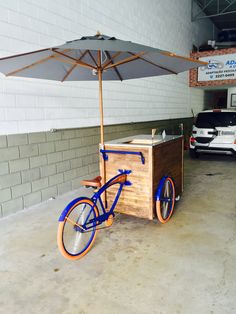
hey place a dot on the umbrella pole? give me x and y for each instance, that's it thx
(101, 107)
(103, 171)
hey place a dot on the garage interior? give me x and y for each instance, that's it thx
(186, 266)
(223, 15)
(137, 266)
(215, 99)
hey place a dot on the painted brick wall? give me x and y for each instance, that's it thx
(193, 74)
(37, 166)
(28, 105)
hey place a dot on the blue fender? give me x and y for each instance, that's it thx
(68, 207)
(159, 188)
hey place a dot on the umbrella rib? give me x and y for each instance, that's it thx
(115, 68)
(82, 54)
(134, 57)
(158, 66)
(63, 54)
(75, 62)
(30, 65)
(79, 62)
(73, 66)
(170, 54)
(24, 54)
(69, 72)
(112, 58)
(91, 56)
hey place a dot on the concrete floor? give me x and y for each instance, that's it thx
(137, 266)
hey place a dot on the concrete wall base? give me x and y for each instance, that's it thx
(35, 167)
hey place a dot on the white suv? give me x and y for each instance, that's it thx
(214, 131)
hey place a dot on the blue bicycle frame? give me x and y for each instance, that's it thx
(96, 198)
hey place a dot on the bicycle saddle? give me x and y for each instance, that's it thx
(96, 182)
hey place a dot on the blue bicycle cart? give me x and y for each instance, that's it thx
(144, 177)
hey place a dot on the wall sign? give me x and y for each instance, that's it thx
(220, 67)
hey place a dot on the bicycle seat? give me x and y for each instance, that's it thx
(96, 182)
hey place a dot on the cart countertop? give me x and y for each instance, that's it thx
(143, 140)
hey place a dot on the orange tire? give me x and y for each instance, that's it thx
(160, 203)
(72, 225)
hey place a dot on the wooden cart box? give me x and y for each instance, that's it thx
(162, 157)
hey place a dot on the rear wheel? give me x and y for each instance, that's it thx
(73, 240)
(165, 199)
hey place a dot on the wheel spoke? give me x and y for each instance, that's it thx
(168, 189)
(74, 223)
(76, 241)
(81, 212)
(165, 206)
(166, 203)
(166, 199)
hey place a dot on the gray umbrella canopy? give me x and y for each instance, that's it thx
(96, 57)
(79, 60)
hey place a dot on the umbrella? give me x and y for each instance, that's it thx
(98, 57)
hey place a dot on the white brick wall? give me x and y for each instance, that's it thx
(28, 105)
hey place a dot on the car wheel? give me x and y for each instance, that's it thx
(193, 154)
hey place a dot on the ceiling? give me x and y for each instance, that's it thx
(221, 12)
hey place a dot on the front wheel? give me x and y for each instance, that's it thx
(77, 232)
(165, 199)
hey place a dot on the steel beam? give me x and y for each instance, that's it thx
(218, 12)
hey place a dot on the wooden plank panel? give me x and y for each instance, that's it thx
(136, 199)
(163, 159)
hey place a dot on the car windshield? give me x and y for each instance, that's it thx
(215, 119)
